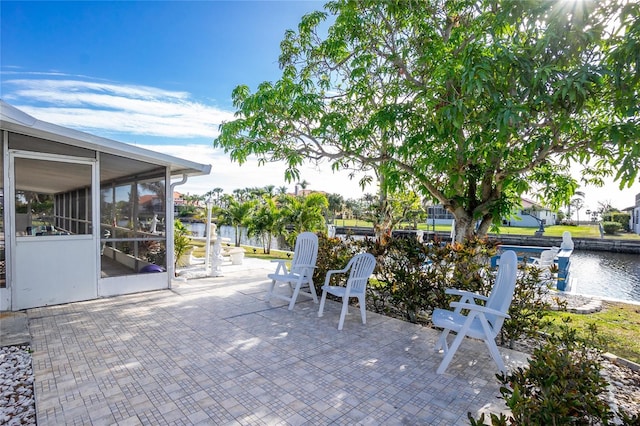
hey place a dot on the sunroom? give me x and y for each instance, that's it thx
(82, 217)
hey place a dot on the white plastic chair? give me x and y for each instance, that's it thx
(546, 259)
(482, 321)
(360, 268)
(305, 254)
(545, 263)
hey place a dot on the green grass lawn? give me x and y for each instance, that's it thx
(581, 231)
(256, 252)
(618, 323)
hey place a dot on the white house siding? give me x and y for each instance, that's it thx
(634, 221)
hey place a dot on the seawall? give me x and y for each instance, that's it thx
(590, 244)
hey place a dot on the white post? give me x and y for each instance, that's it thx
(208, 240)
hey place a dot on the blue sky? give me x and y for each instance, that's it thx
(155, 74)
(160, 75)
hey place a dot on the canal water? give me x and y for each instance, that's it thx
(225, 231)
(607, 275)
(600, 274)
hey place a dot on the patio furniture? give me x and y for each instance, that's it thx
(481, 321)
(546, 260)
(300, 273)
(360, 268)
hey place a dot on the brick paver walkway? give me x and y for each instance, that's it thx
(211, 351)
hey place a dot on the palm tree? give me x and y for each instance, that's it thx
(214, 195)
(353, 207)
(254, 193)
(282, 190)
(304, 214)
(242, 194)
(577, 203)
(218, 193)
(238, 214)
(191, 200)
(578, 194)
(269, 190)
(266, 223)
(303, 185)
(336, 202)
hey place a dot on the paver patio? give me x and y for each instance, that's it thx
(212, 351)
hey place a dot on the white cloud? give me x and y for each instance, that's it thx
(112, 109)
(118, 108)
(228, 175)
(610, 192)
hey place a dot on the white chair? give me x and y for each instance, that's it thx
(360, 268)
(305, 254)
(547, 258)
(482, 321)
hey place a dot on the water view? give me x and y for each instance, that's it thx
(600, 274)
(608, 275)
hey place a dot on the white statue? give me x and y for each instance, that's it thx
(567, 242)
(154, 224)
(216, 259)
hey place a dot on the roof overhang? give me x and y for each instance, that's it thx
(14, 120)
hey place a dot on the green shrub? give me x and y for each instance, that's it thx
(611, 228)
(562, 385)
(402, 285)
(620, 217)
(181, 240)
(333, 253)
(410, 279)
(528, 308)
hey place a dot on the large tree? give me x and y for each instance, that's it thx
(472, 102)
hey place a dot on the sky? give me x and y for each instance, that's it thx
(160, 75)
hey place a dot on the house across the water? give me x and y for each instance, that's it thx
(634, 220)
(529, 214)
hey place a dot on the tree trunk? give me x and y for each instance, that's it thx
(237, 235)
(465, 227)
(382, 219)
(268, 243)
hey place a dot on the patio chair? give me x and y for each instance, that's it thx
(300, 273)
(360, 268)
(546, 259)
(481, 321)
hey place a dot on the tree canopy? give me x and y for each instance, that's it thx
(472, 103)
